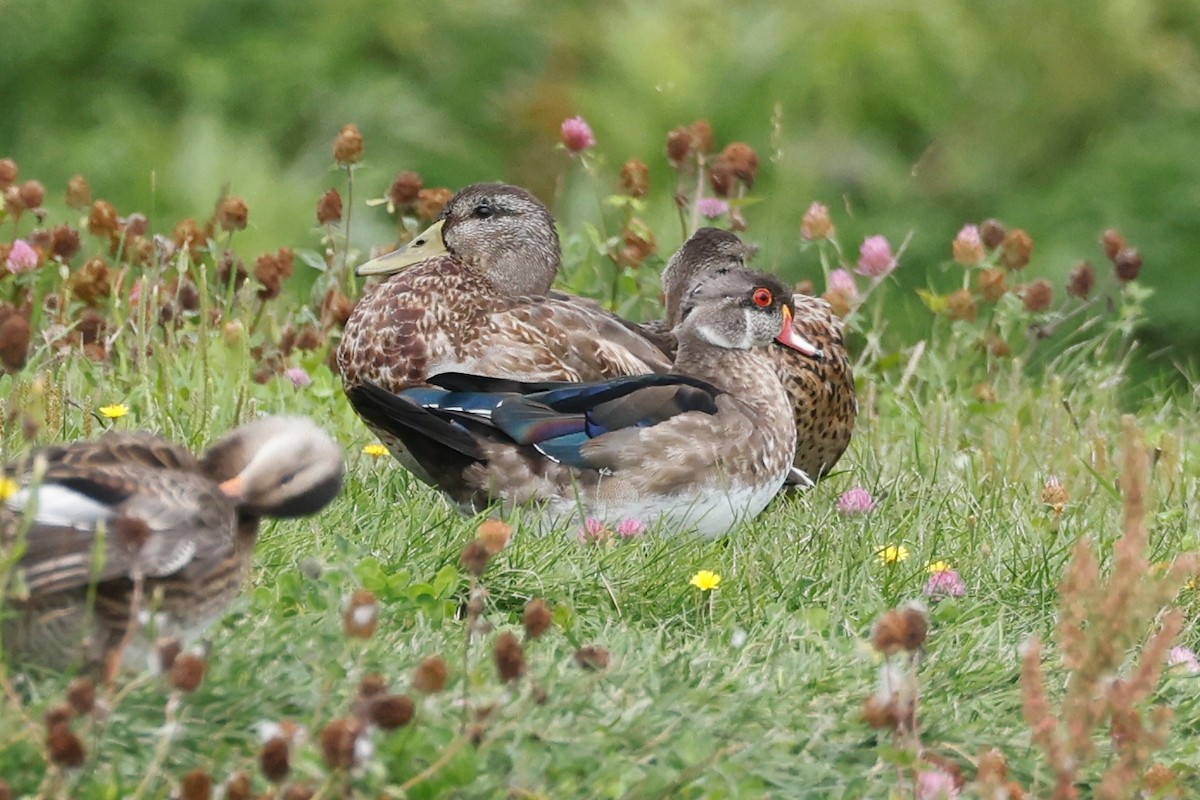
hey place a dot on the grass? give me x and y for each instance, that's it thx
(756, 689)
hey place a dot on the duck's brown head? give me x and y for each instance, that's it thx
(738, 310)
(707, 253)
(501, 230)
(281, 466)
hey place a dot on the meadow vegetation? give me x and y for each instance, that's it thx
(991, 597)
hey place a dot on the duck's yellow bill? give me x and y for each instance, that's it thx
(429, 243)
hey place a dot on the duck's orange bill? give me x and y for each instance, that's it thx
(788, 337)
(232, 487)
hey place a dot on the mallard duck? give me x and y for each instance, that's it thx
(130, 507)
(702, 447)
(471, 294)
(819, 383)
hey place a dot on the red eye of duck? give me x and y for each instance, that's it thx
(762, 297)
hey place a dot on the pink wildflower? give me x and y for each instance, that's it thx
(856, 501)
(630, 528)
(135, 293)
(22, 257)
(298, 376)
(968, 246)
(945, 583)
(577, 135)
(840, 280)
(875, 257)
(933, 784)
(712, 207)
(593, 530)
(1183, 656)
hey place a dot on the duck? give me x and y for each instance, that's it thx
(164, 539)
(819, 381)
(701, 448)
(472, 293)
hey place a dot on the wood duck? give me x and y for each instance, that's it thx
(703, 447)
(132, 508)
(820, 384)
(472, 294)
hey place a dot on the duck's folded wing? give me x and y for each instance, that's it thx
(122, 447)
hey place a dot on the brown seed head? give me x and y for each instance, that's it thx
(985, 392)
(33, 194)
(64, 242)
(737, 162)
(274, 759)
(805, 287)
(701, 134)
(431, 675)
(679, 147)
(308, 338)
(840, 302)
(196, 785)
(238, 787)
(917, 622)
(348, 146)
(495, 535)
(231, 268)
(475, 557)
(361, 617)
(14, 339)
(992, 232)
(337, 743)
(635, 178)
(233, 214)
(592, 656)
(167, 650)
(299, 791)
(992, 285)
(329, 207)
(889, 632)
(57, 715)
(392, 711)
(103, 220)
(81, 694)
(12, 201)
(998, 347)
(188, 234)
(510, 657)
(8, 172)
(136, 224)
(1016, 249)
(639, 243)
(79, 192)
(187, 672)
(1158, 779)
(1113, 243)
(1082, 280)
(337, 306)
(430, 202)
(1038, 296)
(961, 305)
(880, 714)
(63, 747)
(405, 189)
(537, 618)
(372, 684)
(1128, 264)
(1054, 494)
(271, 270)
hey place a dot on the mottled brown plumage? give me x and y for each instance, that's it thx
(821, 390)
(471, 294)
(183, 528)
(703, 448)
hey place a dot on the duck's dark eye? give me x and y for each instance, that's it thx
(762, 297)
(484, 210)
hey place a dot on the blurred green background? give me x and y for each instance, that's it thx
(1063, 118)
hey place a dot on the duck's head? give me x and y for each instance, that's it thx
(740, 309)
(707, 253)
(501, 230)
(281, 466)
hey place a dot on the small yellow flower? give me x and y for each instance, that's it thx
(115, 411)
(706, 580)
(938, 566)
(8, 487)
(375, 450)
(892, 553)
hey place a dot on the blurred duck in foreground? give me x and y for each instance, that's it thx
(165, 539)
(701, 448)
(472, 294)
(820, 384)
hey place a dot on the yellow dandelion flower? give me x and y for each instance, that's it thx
(705, 580)
(8, 487)
(115, 411)
(892, 553)
(375, 450)
(938, 566)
